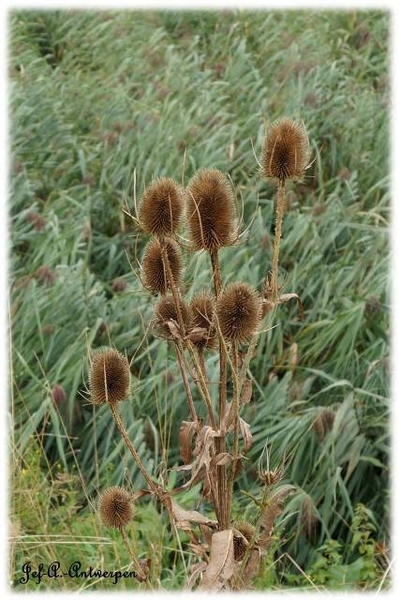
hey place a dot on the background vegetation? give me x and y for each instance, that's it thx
(102, 102)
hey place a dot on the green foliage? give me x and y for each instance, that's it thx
(102, 102)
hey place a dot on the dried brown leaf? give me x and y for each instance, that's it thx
(246, 392)
(223, 458)
(195, 572)
(246, 434)
(185, 517)
(221, 562)
(187, 430)
(286, 297)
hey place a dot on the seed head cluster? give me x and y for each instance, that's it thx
(211, 211)
(155, 273)
(161, 208)
(286, 150)
(109, 377)
(116, 507)
(238, 310)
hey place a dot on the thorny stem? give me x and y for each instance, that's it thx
(142, 577)
(180, 359)
(280, 207)
(179, 346)
(200, 368)
(235, 412)
(155, 489)
(173, 287)
(221, 441)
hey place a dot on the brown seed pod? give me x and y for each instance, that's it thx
(167, 321)
(116, 507)
(286, 150)
(109, 377)
(154, 270)
(238, 309)
(161, 207)
(202, 310)
(211, 210)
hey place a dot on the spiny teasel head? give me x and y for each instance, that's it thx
(166, 317)
(211, 210)
(116, 507)
(286, 150)
(203, 310)
(243, 535)
(161, 207)
(154, 270)
(238, 310)
(109, 377)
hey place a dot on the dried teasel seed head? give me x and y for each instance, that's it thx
(239, 546)
(286, 150)
(243, 534)
(161, 207)
(116, 507)
(246, 529)
(109, 377)
(238, 310)
(154, 271)
(166, 317)
(211, 210)
(202, 310)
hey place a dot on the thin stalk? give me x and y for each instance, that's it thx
(203, 385)
(142, 576)
(174, 288)
(221, 441)
(180, 359)
(155, 488)
(280, 207)
(235, 407)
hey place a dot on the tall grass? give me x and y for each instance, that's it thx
(102, 102)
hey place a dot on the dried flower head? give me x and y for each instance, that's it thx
(154, 270)
(286, 150)
(243, 534)
(109, 377)
(167, 320)
(238, 309)
(116, 507)
(202, 310)
(211, 210)
(161, 207)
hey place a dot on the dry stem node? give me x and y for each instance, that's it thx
(202, 309)
(109, 377)
(116, 507)
(154, 272)
(286, 150)
(161, 207)
(167, 317)
(238, 310)
(211, 210)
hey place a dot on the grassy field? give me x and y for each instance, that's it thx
(101, 103)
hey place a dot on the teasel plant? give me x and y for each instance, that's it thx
(223, 319)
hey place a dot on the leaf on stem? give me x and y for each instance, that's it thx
(221, 562)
